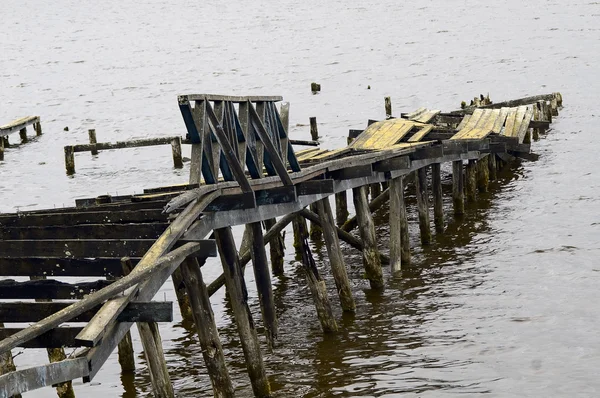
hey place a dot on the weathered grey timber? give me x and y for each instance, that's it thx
(243, 171)
(19, 125)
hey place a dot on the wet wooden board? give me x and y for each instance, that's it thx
(18, 124)
(525, 124)
(382, 135)
(500, 121)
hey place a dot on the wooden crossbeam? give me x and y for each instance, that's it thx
(60, 267)
(159, 311)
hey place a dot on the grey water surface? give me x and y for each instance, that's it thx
(504, 304)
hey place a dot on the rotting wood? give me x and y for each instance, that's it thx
(483, 174)
(236, 288)
(263, 282)
(471, 180)
(316, 233)
(176, 152)
(212, 350)
(7, 365)
(420, 178)
(371, 259)
(336, 259)
(315, 282)
(438, 202)
(458, 191)
(492, 167)
(182, 296)
(341, 208)
(388, 107)
(86, 231)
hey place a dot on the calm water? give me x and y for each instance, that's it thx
(505, 304)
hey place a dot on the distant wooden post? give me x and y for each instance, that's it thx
(263, 282)
(371, 259)
(176, 150)
(336, 259)
(438, 202)
(315, 230)
(458, 191)
(276, 249)
(483, 174)
(314, 131)
(341, 208)
(388, 107)
(37, 126)
(155, 357)
(317, 286)
(236, 287)
(399, 244)
(1, 148)
(471, 177)
(23, 135)
(93, 141)
(204, 319)
(7, 364)
(70, 160)
(554, 107)
(423, 205)
(315, 87)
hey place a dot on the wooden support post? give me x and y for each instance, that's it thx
(375, 190)
(6, 141)
(423, 205)
(315, 230)
(336, 259)
(155, 357)
(536, 116)
(182, 295)
(7, 364)
(554, 107)
(548, 111)
(314, 131)
(471, 183)
(23, 135)
(63, 390)
(1, 148)
(298, 235)
(276, 249)
(93, 141)
(399, 243)
(236, 287)
(341, 208)
(438, 203)
(70, 160)
(493, 169)
(483, 174)
(37, 126)
(125, 347)
(263, 282)
(388, 107)
(375, 204)
(317, 286)
(371, 259)
(204, 319)
(176, 150)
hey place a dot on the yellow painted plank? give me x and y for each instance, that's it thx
(370, 131)
(525, 123)
(330, 154)
(510, 121)
(426, 116)
(483, 127)
(470, 124)
(514, 131)
(392, 137)
(500, 120)
(464, 121)
(416, 113)
(383, 133)
(419, 135)
(306, 153)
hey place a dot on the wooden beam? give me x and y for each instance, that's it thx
(44, 266)
(55, 338)
(75, 248)
(48, 289)
(75, 218)
(86, 231)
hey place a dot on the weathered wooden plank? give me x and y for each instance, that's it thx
(232, 98)
(524, 125)
(75, 218)
(55, 338)
(314, 187)
(44, 266)
(352, 172)
(48, 289)
(101, 146)
(17, 312)
(419, 135)
(75, 248)
(86, 231)
(18, 124)
(28, 379)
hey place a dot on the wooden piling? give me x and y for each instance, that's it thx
(423, 205)
(276, 249)
(316, 233)
(375, 204)
(37, 126)
(236, 288)
(204, 319)
(182, 295)
(471, 180)
(314, 131)
(388, 107)
(176, 151)
(398, 223)
(554, 107)
(315, 87)
(93, 141)
(70, 160)
(316, 284)
(341, 208)
(23, 135)
(7, 363)
(336, 259)
(298, 235)
(536, 116)
(155, 358)
(375, 190)
(438, 203)
(483, 174)
(1, 148)
(263, 282)
(125, 347)
(492, 167)
(371, 259)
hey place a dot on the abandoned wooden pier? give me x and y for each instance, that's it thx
(243, 171)
(19, 125)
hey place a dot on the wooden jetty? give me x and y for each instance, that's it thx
(243, 171)
(19, 125)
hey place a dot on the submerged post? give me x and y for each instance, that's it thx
(423, 205)
(155, 357)
(336, 259)
(204, 319)
(371, 259)
(236, 287)
(125, 347)
(7, 364)
(93, 141)
(1, 148)
(438, 202)
(37, 126)
(492, 167)
(276, 249)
